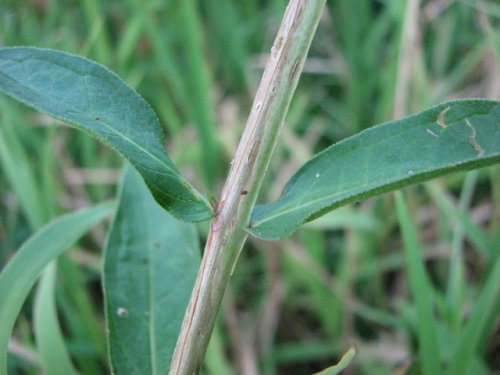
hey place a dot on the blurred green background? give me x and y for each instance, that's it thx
(293, 307)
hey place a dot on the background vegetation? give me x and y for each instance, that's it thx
(294, 306)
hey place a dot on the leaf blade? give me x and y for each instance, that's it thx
(457, 135)
(142, 269)
(486, 308)
(341, 365)
(33, 256)
(93, 99)
(53, 353)
(421, 289)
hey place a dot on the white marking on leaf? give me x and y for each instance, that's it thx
(431, 133)
(473, 141)
(440, 118)
(122, 312)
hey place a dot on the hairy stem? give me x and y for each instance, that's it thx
(227, 233)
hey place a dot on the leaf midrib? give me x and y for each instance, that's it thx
(173, 173)
(151, 299)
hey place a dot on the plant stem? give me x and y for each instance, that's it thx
(228, 230)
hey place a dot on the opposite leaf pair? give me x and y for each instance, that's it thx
(454, 136)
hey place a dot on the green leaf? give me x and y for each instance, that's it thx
(486, 308)
(150, 266)
(18, 170)
(477, 236)
(342, 365)
(20, 274)
(93, 99)
(49, 338)
(453, 136)
(421, 290)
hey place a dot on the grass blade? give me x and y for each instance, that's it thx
(342, 365)
(456, 274)
(53, 353)
(199, 84)
(20, 274)
(421, 291)
(486, 308)
(453, 136)
(150, 265)
(224, 15)
(475, 234)
(18, 169)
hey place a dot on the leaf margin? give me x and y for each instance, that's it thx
(200, 209)
(90, 217)
(260, 212)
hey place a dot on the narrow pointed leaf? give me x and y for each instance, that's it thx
(93, 99)
(53, 353)
(342, 365)
(486, 308)
(150, 266)
(421, 290)
(22, 271)
(453, 136)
